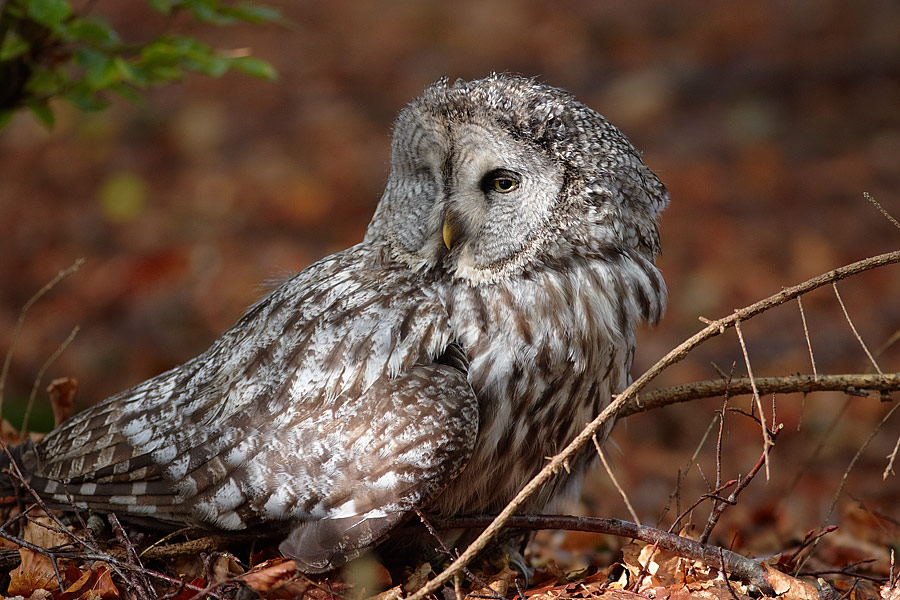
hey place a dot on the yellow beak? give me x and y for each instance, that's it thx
(448, 234)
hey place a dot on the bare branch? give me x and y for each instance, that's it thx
(739, 566)
(851, 384)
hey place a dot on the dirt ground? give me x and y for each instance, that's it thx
(767, 122)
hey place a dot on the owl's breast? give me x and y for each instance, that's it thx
(546, 353)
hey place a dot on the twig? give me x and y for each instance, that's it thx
(891, 458)
(742, 483)
(140, 584)
(431, 530)
(714, 494)
(682, 473)
(740, 566)
(676, 355)
(767, 439)
(859, 452)
(615, 481)
(887, 215)
(15, 336)
(853, 329)
(812, 358)
(852, 384)
(810, 538)
(40, 375)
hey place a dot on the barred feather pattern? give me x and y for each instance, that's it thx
(488, 315)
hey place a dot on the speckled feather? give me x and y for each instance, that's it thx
(401, 373)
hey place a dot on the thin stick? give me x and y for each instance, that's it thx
(15, 336)
(853, 329)
(859, 452)
(767, 439)
(891, 458)
(683, 473)
(676, 355)
(615, 481)
(40, 375)
(887, 215)
(812, 358)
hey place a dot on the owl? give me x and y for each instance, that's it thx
(486, 317)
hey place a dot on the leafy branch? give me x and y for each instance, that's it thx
(49, 50)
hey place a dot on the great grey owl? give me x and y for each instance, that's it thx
(487, 316)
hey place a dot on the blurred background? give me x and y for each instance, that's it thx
(767, 122)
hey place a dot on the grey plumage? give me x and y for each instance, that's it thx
(488, 314)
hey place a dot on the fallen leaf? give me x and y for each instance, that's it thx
(62, 397)
(269, 574)
(790, 587)
(35, 572)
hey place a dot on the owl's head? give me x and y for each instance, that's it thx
(495, 176)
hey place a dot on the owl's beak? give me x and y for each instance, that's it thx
(448, 232)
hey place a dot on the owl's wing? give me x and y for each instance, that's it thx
(413, 440)
(335, 405)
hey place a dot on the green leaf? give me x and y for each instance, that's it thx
(209, 11)
(253, 13)
(91, 30)
(45, 82)
(49, 12)
(13, 45)
(42, 113)
(255, 67)
(99, 69)
(85, 98)
(128, 73)
(127, 92)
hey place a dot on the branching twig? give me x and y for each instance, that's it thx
(742, 483)
(679, 353)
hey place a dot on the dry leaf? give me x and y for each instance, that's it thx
(35, 572)
(890, 592)
(75, 590)
(790, 587)
(269, 574)
(225, 567)
(62, 397)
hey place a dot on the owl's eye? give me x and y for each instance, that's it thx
(500, 180)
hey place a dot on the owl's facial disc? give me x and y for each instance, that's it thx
(499, 196)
